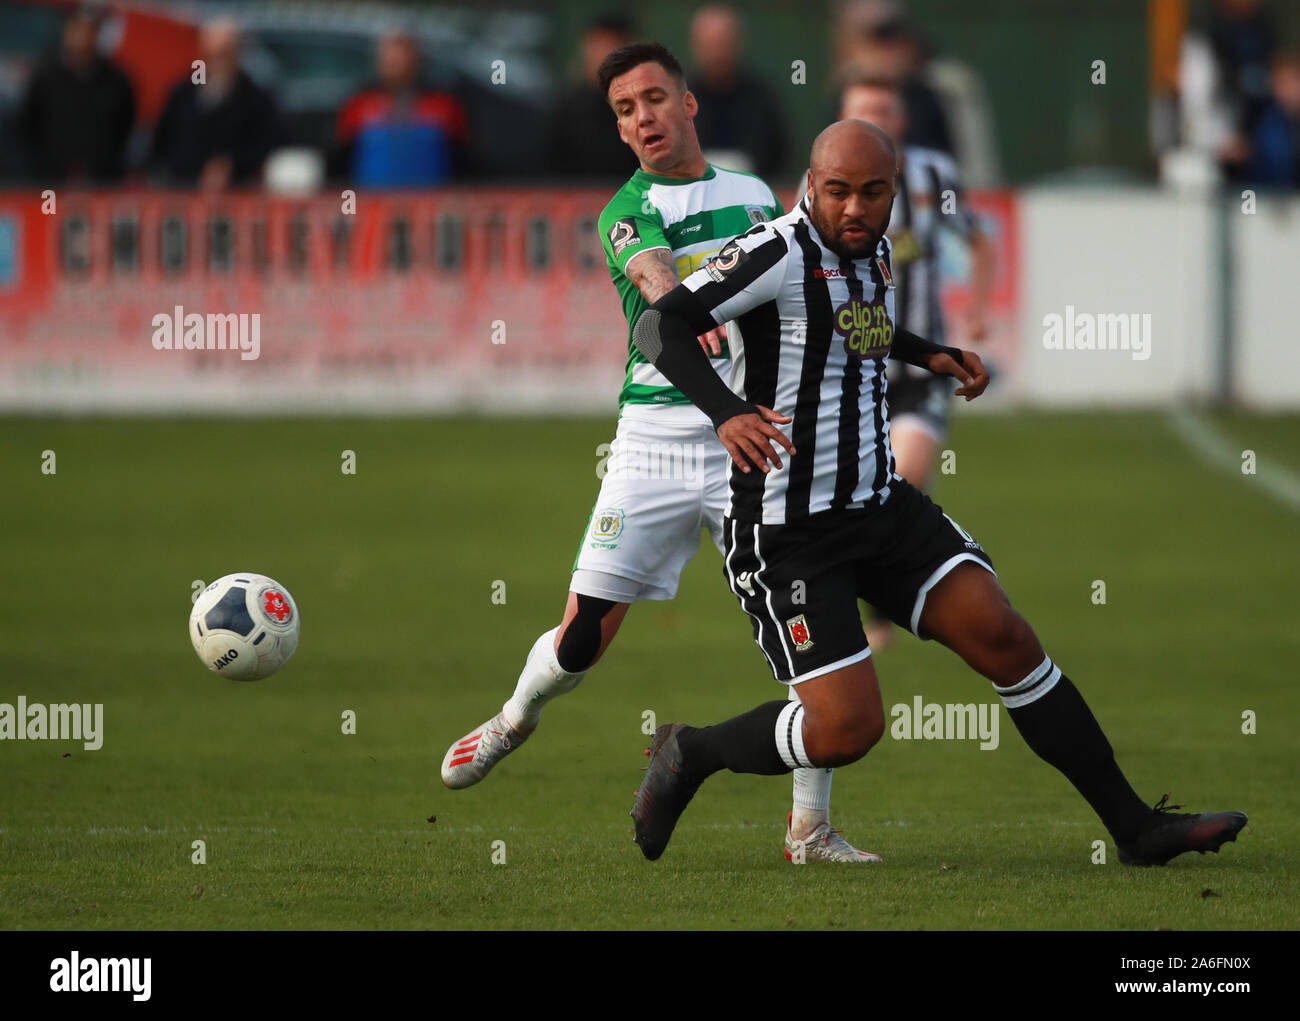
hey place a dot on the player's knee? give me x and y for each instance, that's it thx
(844, 740)
(1009, 639)
(1014, 633)
(580, 640)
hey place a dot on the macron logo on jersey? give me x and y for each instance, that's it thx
(827, 274)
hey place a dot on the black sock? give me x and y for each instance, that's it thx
(1061, 730)
(742, 744)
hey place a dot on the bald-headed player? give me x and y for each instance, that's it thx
(818, 518)
(930, 203)
(667, 473)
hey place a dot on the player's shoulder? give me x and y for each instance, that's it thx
(772, 239)
(743, 181)
(726, 173)
(629, 200)
(785, 225)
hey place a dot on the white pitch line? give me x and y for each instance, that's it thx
(417, 828)
(1215, 449)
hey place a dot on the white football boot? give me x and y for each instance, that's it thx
(825, 843)
(471, 758)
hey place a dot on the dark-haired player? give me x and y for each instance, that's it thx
(667, 474)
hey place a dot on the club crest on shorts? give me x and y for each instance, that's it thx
(799, 633)
(606, 527)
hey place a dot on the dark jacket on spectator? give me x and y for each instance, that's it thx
(242, 125)
(747, 116)
(583, 138)
(76, 125)
(927, 124)
(1275, 152)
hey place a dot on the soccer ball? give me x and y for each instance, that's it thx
(244, 626)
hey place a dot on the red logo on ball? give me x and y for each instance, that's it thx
(276, 606)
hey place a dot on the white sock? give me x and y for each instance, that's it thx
(812, 794)
(539, 682)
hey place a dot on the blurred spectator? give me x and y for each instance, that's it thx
(1242, 37)
(399, 133)
(216, 134)
(1275, 156)
(77, 112)
(740, 124)
(583, 136)
(1222, 81)
(877, 39)
(1241, 40)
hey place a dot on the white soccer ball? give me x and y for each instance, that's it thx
(245, 626)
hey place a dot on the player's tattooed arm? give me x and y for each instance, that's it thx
(654, 273)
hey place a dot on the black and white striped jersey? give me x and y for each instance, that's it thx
(809, 334)
(930, 201)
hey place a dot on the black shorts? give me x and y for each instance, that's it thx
(921, 396)
(800, 583)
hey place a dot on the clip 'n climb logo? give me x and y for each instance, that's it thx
(865, 327)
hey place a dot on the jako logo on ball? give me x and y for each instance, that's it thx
(245, 626)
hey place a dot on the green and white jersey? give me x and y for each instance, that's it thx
(693, 219)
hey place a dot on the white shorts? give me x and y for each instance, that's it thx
(665, 478)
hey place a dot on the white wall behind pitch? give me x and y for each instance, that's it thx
(1118, 251)
(1266, 309)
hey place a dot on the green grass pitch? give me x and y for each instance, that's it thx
(394, 570)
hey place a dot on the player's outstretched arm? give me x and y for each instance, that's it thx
(964, 366)
(665, 334)
(654, 274)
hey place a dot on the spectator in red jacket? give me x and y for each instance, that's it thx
(399, 133)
